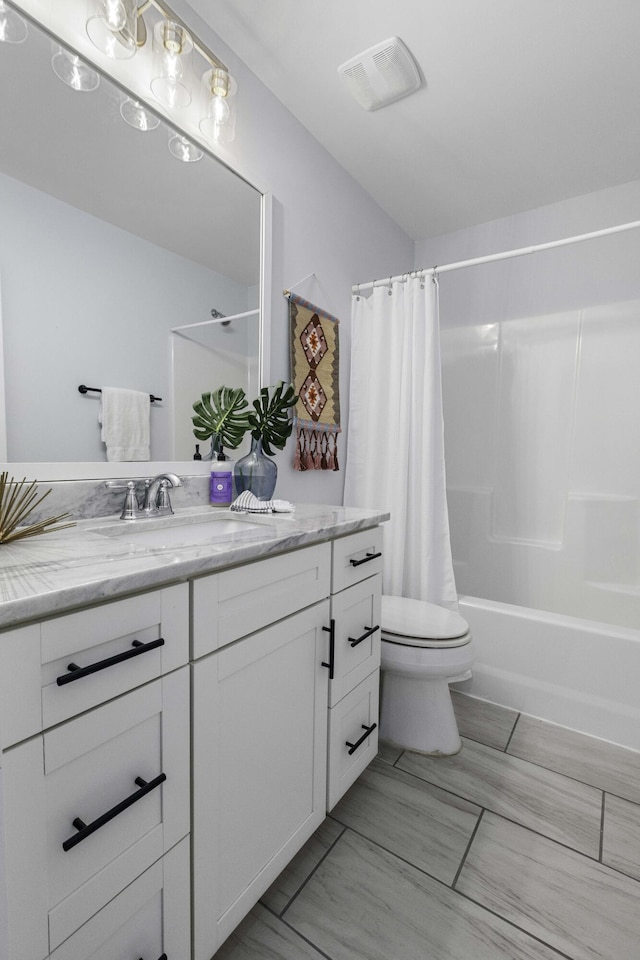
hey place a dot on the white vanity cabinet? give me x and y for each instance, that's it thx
(259, 731)
(95, 769)
(356, 586)
(165, 755)
(278, 642)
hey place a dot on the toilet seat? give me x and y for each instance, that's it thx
(418, 623)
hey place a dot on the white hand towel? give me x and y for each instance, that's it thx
(125, 419)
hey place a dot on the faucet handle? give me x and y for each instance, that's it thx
(131, 508)
(163, 501)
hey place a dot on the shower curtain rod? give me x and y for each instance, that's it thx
(491, 258)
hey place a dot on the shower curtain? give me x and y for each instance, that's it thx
(395, 452)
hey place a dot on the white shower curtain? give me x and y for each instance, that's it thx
(395, 453)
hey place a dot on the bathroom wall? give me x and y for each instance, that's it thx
(324, 224)
(541, 382)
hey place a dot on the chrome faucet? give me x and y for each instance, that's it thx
(156, 494)
(156, 501)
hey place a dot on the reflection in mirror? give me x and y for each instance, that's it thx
(113, 255)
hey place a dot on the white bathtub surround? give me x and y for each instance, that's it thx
(542, 467)
(577, 673)
(396, 448)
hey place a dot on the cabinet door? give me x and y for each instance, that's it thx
(353, 736)
(147, 920)
(356, 616)
(239, 601)
(103, 770)
(356, 557)
(259, 766)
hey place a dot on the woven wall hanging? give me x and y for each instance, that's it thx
(315, 372)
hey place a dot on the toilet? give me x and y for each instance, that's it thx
(424, 647)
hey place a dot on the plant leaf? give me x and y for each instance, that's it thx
(269, 420)
(222, 413)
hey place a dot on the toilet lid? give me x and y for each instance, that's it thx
(420, 620)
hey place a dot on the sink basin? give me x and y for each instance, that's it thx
(183, 532)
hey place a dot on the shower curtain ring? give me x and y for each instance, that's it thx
(390, 290)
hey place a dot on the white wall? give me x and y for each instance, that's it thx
(324, 223)
(541, 383)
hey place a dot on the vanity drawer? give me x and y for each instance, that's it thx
(356, 557)
(353, 737)
(356, 616)
(108, 769)
(118, 644)
(148, 919)
(239, 601)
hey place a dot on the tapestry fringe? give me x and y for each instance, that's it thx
(316, 450)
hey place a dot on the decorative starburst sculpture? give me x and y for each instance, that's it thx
(17, 500)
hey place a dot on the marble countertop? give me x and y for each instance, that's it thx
(59, 571)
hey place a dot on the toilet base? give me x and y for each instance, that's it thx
(417, 714)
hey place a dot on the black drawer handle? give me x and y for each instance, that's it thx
(163, 957)
(85, 830)
(331, 630)
(367, 733)
(75, 672)
(367, 633)
(365, 559)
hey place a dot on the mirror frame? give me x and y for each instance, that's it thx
(98, 470)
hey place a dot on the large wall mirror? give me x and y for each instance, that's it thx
(114, 259)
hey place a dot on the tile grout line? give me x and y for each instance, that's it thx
(495, 813)
(308, 878)
(513, 730)
(585, 783)
(306, 939)
(467, 849)
(527, 933)
(437, 880)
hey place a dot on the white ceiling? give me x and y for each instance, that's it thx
(525, 102)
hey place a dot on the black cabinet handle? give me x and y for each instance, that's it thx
(365, 559)
(367, 633)
(76, 672)
(367, 733)
(86, 829)
(163, 957)
(331, 630)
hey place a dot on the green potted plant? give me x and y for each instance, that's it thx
(221, 415)
(270, 426)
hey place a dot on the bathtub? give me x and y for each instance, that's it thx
(576, 673)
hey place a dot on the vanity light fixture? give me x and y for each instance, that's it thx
(172, 47)
(73, 71)
(13, 29)
(219, 122)
(183, 149)
(112, 27)
(137, 115)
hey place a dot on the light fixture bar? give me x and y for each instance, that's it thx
(165, 10)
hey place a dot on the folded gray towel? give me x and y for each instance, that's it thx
(247, 502)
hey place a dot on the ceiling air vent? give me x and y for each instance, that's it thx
(382, 74)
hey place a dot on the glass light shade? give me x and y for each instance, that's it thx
(219, 122)
(172, 48)
(112, 27)
(183, 149)
(13, 29)
(73, 71)
(137, 115)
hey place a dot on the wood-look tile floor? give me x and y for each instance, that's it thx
(525, 846)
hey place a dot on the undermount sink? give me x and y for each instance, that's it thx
(182, 532)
